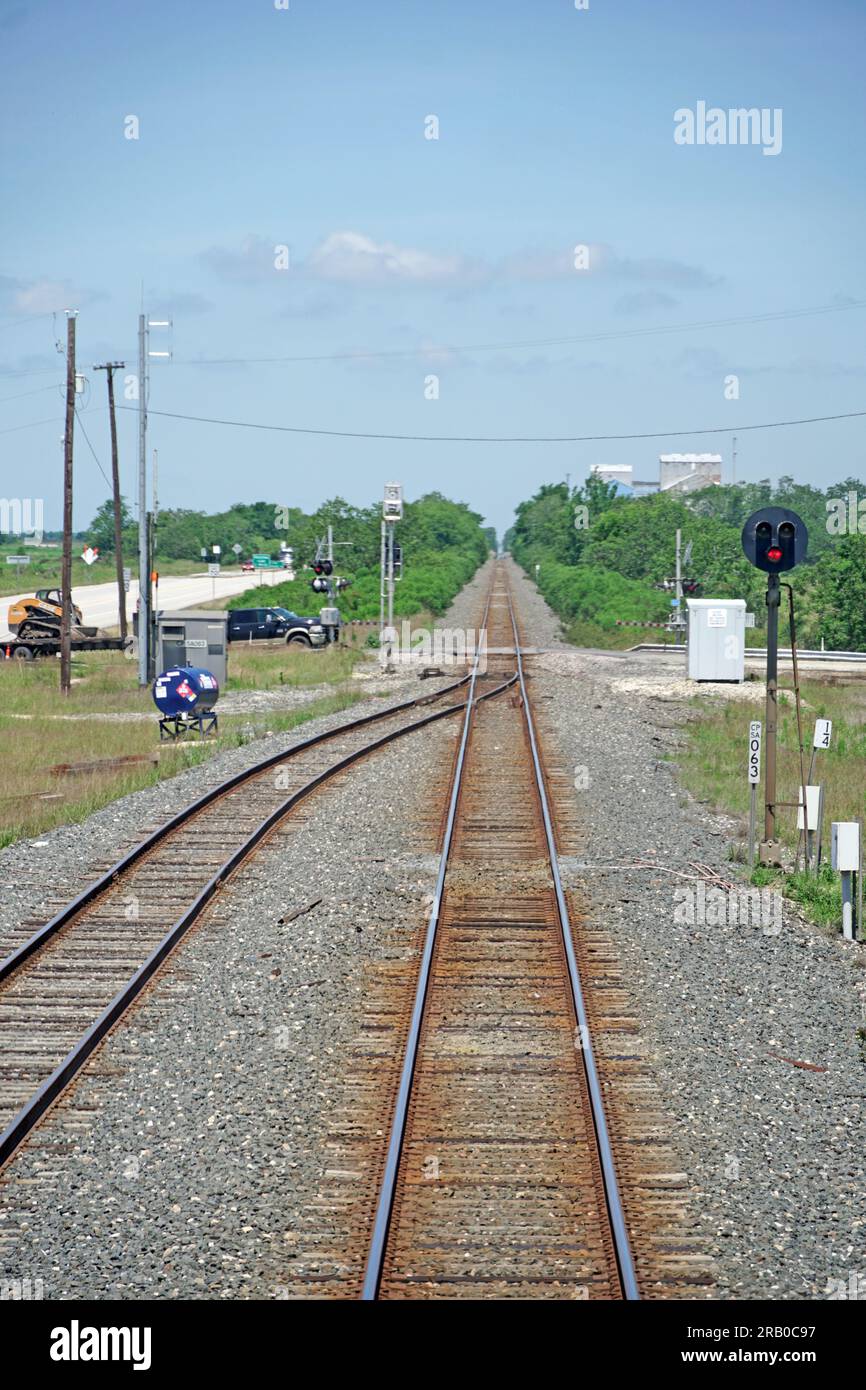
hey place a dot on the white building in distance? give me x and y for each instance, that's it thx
(689, 472)
(613, 473)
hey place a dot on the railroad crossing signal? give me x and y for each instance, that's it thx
(323, 567)
(775, 539)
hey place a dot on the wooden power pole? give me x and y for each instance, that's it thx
(110, 368)
(66, 571)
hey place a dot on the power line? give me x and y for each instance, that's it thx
(503, 439)
(623, 334)
(48, 420)
(91, 448)
(527, 342)
(39, 389)
(16, 320)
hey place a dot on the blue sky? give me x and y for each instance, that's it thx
(304, 127)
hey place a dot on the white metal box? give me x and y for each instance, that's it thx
(716, 639)
(845, 846)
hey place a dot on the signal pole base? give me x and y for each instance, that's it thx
(770, 854)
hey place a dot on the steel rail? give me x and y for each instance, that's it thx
(387, 1190)
(108, 879)
(616, 1214)
(387, 1187)
(29, 1115)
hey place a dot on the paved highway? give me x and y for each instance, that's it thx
(98, 602)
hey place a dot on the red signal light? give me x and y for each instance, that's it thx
(774, 554)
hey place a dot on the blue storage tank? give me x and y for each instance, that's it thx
(186, 690)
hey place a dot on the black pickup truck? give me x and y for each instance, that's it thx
(263, 624)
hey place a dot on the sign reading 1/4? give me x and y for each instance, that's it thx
(823, 730)
(755, 751)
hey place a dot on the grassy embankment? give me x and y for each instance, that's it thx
(713, 769)
(39, 731)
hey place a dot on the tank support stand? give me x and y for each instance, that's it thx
(174, 726)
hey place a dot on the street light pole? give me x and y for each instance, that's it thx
(143, 629)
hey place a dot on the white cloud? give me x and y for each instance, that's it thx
(351, 257)
(42, 296)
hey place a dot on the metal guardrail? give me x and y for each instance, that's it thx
(681, 647)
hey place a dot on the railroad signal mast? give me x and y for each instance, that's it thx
(326, 582)
(391, 565)
(774, 540)
(677, 623)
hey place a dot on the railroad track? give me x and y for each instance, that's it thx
(499, 1177)
(67, 985)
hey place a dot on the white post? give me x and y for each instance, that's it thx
(845, 858)
(754, 778)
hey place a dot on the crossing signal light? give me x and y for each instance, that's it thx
(323, 567)
(319, 586)
(775, 539)
(691, 586)
(398, 562)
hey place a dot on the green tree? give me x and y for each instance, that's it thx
(839, 595)
(100, 532)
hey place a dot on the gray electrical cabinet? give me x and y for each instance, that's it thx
(716, 639)
(193, 637)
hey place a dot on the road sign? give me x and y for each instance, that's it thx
(823, 730)
(213, 571)
(18, 559)
(261, 562)
(217, 549)
(237, 548)
(90, 554)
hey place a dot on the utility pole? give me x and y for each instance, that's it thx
(734, 461)
(66, 572)
(110, 368)
(143, 557)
